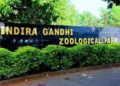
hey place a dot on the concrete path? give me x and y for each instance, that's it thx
(104, 77)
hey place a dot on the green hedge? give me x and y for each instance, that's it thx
(57, 57)
(26, 60)
(5, 63)
(84, 55)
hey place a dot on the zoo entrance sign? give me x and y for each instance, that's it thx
(15, 35)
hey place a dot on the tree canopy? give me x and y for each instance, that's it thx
(56, 12)
(31, 11)
(117, 2)
(108, 18)
(111, 17)
(69, 16)
(87, 19)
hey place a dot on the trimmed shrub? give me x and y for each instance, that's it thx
(89, 55)
(103, 53)
(114, 53)
(5, 63)
(27, 59)
(76, 54)
(84, 55)
(57, 57)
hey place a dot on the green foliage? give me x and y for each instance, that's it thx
(84, 55)
(57, 57)
(76, 54)
(5, 63)
(89, 57)
(57, 12)
(110, 17)
(26, 60)
(87, 19)
(31, 11)
(102, 53)
(69, 16)
(114, 53)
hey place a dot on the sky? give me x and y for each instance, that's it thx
(92, 6)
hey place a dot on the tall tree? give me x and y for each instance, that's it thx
(69, 16)
(110, 17)
(87, 19)
(31, 11)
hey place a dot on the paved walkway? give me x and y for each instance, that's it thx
(104, 77)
